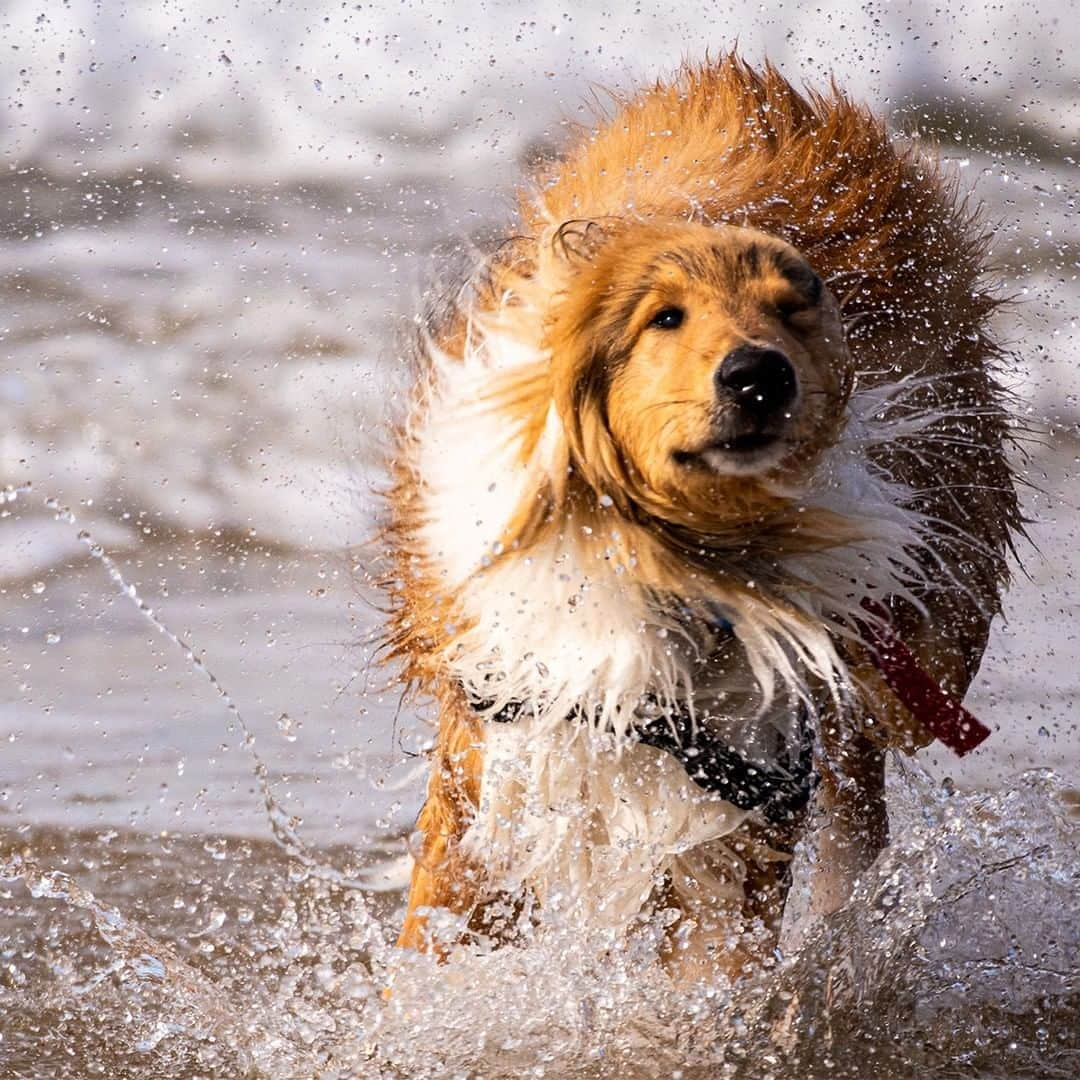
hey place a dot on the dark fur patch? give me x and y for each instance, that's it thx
(804, 280)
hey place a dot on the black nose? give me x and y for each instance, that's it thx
(762, 381)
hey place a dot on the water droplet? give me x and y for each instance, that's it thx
(288, 727)
(38, 587)
(52, 637)
(148, 967)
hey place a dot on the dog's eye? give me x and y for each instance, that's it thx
(669, 318)
(807, 292)
(788, 308)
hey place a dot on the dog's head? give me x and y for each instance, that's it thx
(697, 370)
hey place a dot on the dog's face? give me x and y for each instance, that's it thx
(715, 357)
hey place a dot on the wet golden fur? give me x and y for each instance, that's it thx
(699, 192)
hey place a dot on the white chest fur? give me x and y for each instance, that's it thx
(592, 828)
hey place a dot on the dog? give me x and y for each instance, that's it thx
(702, 504)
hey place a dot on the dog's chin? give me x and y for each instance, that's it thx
(749, 455)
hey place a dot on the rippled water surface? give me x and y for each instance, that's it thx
(214, 230)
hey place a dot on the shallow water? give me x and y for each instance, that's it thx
(139, 955)
(199, 356)
(149, 925)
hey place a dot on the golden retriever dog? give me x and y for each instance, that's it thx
(701, 506)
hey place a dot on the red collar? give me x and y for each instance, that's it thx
(936, 710)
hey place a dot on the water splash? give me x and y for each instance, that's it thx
(184, 1003)
(283, 825)
(956, 957)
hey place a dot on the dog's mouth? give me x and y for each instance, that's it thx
(746, 444)
(748, 452)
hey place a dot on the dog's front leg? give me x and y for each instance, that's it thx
(733, 935)
(442, 876)
(853, 825)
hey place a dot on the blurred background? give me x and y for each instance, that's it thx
(216, 225)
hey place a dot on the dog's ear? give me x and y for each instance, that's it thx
(576, 242)
(570, 255)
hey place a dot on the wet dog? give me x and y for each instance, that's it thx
(703, 497)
